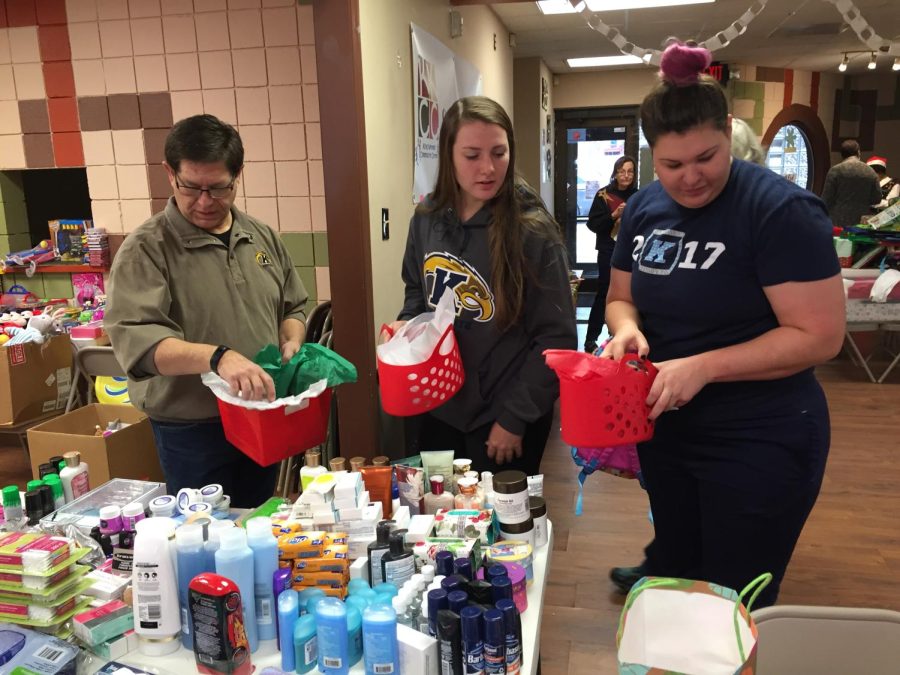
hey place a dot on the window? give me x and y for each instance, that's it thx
(789, 155)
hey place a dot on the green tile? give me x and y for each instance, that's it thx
(34, 284)
(12, 243)
(755, 90)
(13, 218)
(320, 248)
(737, 88)
(58, 286)
(308, 277)
(756, 124)
(11, 188)
(300, 246)
(758, 109)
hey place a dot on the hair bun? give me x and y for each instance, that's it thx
(682, 64)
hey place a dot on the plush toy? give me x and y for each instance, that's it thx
(39, 328)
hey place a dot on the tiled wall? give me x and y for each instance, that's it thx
(98, 83)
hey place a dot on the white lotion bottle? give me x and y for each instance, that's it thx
(74, 476)
(157, 619)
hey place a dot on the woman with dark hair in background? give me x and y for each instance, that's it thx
(603, 220)
(706, 282)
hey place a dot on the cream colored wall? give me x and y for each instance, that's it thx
(387, 91)
(527, 97)
(603, 88)
(547, 179)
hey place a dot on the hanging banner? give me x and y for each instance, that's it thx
(440, 77)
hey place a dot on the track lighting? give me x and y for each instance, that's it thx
(844, 62)
(872, 64)
(896, 65)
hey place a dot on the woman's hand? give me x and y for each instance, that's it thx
(502, 445)
(387, 335)
(618, 212)
(677, 382)
(628, 340)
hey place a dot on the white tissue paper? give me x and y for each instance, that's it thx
(222, 391)
(416, 341)
(883, 285)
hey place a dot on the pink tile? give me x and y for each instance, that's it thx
(280, 26)
(133, 183)
(29, 79)
(278, 3)
(141, 8)
(210, 5)
(220, 102)
(98, 148)
(128, 145)
(150, 73)
(112, 9)
(313, 141)
(323, 283)
(292, 179)
(4, 47)
(105, 213)
(252, 106)
(215, 70)
(176, 6)
(293, 214)
(250, 67)
(12, 152)
(115, 38)
(7, 84)
(283, 64)
(243, 4)
(135, 212)
(311, 102)
(102, 182)
(212, 31)
(286, 103)
(308, 61)
(10, 122)
(84, 39)
(316, 178)
(245, 27)
(259, 179)
(317, 211)
(186, 104)
(89, 78)
(264, 209)
(147, 36)
(119, 75)
(257, 142)
(81, 10)
(305, 25)
(23, 45)
(184, 71)
(179, 35)
(289, 141)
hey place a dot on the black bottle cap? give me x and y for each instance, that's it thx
(383, 531)
(106, 545)
(34, 506)
(481, 592)
(47, 468)
(398, 542)
(47, 499)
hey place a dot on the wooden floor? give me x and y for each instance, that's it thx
(848, 555)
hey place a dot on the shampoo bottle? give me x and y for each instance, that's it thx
(331, 628)
(189, 549)
(382, 652)
(74, 476)
(265, 562)
(398, 566)
(234, 560)
(157, 620)
(377, 549)
(311, 469)
(211, 545)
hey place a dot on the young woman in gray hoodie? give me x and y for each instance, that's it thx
(486, 235)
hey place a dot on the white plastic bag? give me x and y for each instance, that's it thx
(222, 391)
(416, 341)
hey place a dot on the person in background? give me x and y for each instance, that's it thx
(484, 234)
(202, 287)
(603, 220)
(707, 284)
(890, 188)
(851, 187)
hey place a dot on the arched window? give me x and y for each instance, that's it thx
(789, 155)
(798, 147)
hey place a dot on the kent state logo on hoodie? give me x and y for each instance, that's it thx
(664, 250)
(474, 300)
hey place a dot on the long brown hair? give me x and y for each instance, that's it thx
(516, 207)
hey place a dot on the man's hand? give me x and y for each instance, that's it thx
(245, 378)
(502, 445)
(288, 349)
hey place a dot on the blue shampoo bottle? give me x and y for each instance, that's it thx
(265, 563)
(191, 561)
(354, 635)
(333, 638)
(306, 654)
(234, 560)
(382, 653)
(288, 613)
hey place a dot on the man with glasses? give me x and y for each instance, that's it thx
(203, 287)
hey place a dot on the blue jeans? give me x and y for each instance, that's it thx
(194, 454)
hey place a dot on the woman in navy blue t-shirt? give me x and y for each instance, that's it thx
(725, 275)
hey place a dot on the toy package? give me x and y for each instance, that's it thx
(67, 238)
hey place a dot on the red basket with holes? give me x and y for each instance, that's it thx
(413, 390)
(602, 402)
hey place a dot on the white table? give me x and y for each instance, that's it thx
(182, 661)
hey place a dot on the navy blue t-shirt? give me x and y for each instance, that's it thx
(698, 274)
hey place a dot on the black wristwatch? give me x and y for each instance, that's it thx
(216, 357)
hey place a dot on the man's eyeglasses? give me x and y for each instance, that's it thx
(222, 192)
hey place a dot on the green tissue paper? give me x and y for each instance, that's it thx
(313, 362)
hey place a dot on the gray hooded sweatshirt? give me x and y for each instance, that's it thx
(507, 380)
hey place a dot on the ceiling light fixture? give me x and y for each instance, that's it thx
(603, 61)
(844, 62)
(896, 65)
(565, 6)
(872, 63)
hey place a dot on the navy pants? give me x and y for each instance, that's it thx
(731, 490)
(598, 308)
(437, 435)
(194, 454)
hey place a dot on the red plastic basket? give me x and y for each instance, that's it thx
(607, 407)
(413, 390)
(268, 436)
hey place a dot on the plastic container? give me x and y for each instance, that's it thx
(221, 645)
(265, 562)
(84, 512)
(382, 651)
(333, 637)
(517, 577)
(234, 560)
(523, 531)
(132, 514)
(520, 552)
(311, 469)
(12, 504)
(306, 654)
(288, 613)
(110, 519)
(211, 545)
(472, 639)
(538, 508)
(164, 506)
(511, 497)
(354, 635)
(191, 562)
(513, 624)
(494, 642)
(74, 476)
(157, 619)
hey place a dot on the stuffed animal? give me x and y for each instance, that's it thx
(39, 328)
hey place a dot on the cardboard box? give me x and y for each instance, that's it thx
(35, 379)
(129, 453)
